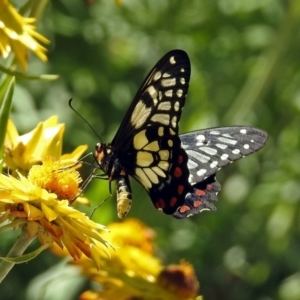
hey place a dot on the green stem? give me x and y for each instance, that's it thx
(5, 108)
(21, 244)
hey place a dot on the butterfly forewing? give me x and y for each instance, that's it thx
(209, 150)
(159, 100)
(147, 144)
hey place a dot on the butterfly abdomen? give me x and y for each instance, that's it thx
(124, 196)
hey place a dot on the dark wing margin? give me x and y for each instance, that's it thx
(210, 149)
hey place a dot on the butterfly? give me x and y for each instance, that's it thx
(177, 171)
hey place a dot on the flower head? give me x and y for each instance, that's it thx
(41, 202)
(133, 272)
(17, 34)
(180, 279)
(21, 152)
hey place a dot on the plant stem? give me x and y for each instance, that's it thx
(21, 244)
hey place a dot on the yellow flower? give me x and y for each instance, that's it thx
(180, 279)
(41, 203)
(21, 152)
(18, 33)
(133, 272)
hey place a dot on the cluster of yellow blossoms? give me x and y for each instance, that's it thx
(39, 187)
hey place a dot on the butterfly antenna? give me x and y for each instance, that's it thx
(71, 106)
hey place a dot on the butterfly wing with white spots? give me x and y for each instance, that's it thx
(211, 149)
(208, 151)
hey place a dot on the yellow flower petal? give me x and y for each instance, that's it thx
(33, 213)
(23, 201)
(49, 213)
(22, 152)
(18, 34)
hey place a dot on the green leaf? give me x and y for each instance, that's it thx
(26, 257)
(46, 77)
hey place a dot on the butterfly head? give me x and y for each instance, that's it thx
(101, 154)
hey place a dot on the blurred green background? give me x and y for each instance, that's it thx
(245, 58)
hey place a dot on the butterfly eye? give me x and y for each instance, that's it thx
(98, 148)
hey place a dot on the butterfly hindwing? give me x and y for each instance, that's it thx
(199, 198)
(211, 149)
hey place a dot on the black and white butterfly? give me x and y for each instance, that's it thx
(177, 171)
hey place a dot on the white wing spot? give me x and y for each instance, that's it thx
(160, 131)
(172, 60)
(182, 80)
(201, 172)
(166, 75)
(191, 164)
(209, 151)
(184, 146)
(174, 122)
(227, 141)
(157, 76)
(199, 156)
(160, 95)
(182, 70)
(161, 118)
(246, 146)
(224, 156)
(236, 151)
(166, 105)
(252, 141)
(152, 92)
(168, 82)
(177, 106)
(222, 146)
(179, 93)
(140, 115)
(215, 132)
(213, 164)
(243, 131)
(170, 143)
(201, 138)
(169, 93)
(172, 132)
(191, 179)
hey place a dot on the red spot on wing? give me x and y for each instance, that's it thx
(180, 159)
(199, 193)
(177, 172)
(160, 204)
(183, 209)
(173, 201)
(180, 189)
(197, 203)
(208, 187)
